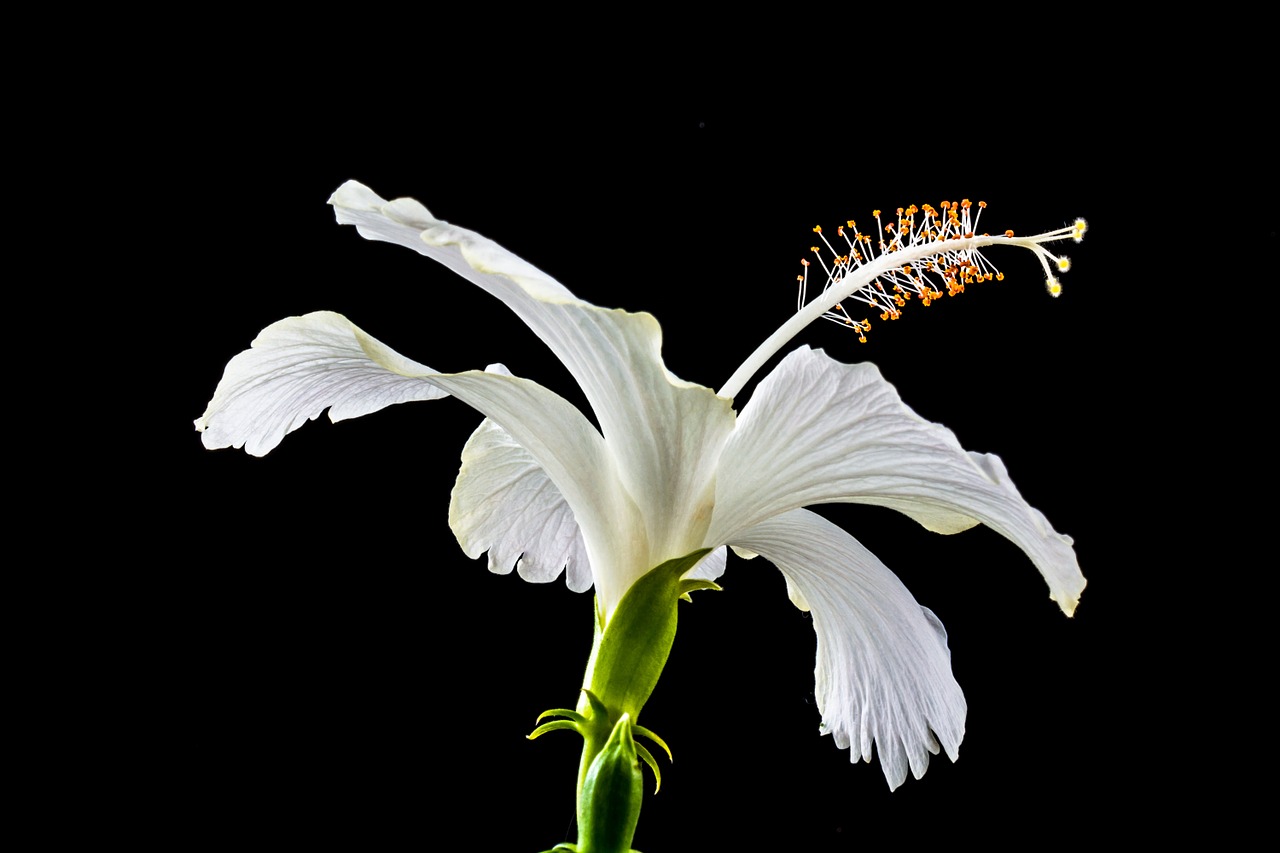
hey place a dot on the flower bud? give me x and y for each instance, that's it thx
(609, 804)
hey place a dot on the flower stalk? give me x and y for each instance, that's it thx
(627, 658)
(643, 503)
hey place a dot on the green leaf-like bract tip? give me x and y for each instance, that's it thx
(561, 712)
(552, 726)
(643, 732)
(647, 757)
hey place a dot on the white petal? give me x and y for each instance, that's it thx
(297, 368)
(710, 567)
(575, 459)
(503, 502)
(408, 223)
(883, 674)
(816, 431)
(664, 434)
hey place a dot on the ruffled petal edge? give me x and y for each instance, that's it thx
(300, 366)
(883, 677)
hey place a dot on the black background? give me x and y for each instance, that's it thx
(310, 659)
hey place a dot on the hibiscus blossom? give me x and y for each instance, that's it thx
(673, 469)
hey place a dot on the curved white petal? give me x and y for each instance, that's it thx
(817, 430)
(503, 502)
(883, 673)
(406, 222)
(663, 434)
(298, 367)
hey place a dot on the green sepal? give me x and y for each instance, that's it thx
(633, 648)
(597, 706)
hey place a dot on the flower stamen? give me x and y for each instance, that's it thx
(948, 272)
(925, 252)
